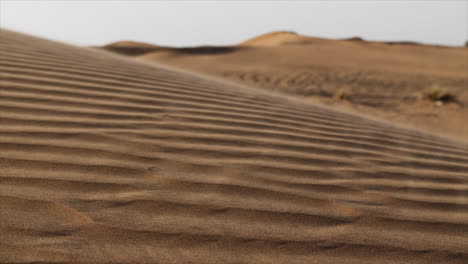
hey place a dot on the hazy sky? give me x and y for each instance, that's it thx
(186, 23)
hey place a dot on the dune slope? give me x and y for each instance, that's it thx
(108, 160)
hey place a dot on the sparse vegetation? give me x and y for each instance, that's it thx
(439, 95)
(341, 95)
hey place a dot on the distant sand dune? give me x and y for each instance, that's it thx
(375, 78)
(105, 159)
(279, 38)
(131, 47)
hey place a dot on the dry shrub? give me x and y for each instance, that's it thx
(438, 94)
(341, 95)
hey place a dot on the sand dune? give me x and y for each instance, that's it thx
(106, 159)
(131, 47)
(284, 38)
(280, 38)
(375, 78)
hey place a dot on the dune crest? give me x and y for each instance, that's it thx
(280, 38)
(118, 161)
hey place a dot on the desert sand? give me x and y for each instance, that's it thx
(112, 159)
(385, 80)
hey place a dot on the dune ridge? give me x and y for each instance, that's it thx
(106, 159)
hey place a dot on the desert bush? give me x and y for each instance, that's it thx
(437, 94)
(341, 95)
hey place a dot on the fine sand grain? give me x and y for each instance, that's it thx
(105, 159)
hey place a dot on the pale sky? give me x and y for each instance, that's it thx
(190, 23)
